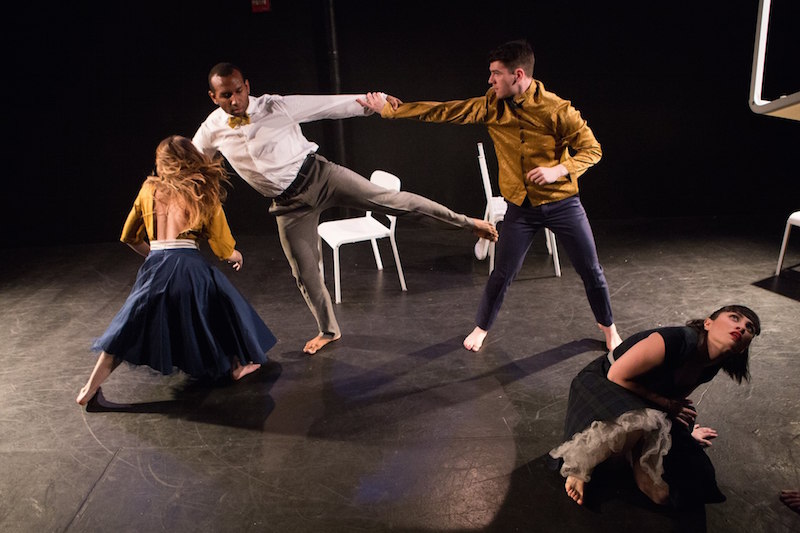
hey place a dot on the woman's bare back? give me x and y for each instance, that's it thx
(170, 216)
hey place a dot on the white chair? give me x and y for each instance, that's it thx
(351, 230)
(495, 212)
(788, 105)
(793, 220)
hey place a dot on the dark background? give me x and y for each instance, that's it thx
(91, 90)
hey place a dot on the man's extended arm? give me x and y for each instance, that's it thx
(470, 111)
(309, 108)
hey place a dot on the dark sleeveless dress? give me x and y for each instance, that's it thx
(592, 397)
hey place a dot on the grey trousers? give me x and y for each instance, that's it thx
(321, 185)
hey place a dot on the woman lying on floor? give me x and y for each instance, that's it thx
(634, 402)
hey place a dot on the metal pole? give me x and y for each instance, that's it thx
(335, 80)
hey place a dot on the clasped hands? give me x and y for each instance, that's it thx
(374, 102)
(682, 410)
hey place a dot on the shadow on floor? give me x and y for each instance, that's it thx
(787, 284)
(537, 502)
(196, 402)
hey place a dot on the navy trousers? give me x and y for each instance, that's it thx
(567, 219)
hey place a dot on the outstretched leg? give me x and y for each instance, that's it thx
(102, 369)
(345, 188)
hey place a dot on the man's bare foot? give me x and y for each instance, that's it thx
(474, 340)
(484, 229)
(318, 342)
(574, 488)
(85, 395)
(792, 499)
(612, 337)
(239, 371)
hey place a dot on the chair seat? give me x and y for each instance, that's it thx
(350, 230)
(361, 229)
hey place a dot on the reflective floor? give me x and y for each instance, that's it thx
(395, 427)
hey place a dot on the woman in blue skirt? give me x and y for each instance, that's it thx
(182, 312)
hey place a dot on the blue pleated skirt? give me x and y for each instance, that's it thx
(184, 313)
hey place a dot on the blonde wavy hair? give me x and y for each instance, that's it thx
(185, 174)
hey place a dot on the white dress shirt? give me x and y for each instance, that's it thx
(268, 152)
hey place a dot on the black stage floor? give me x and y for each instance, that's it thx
(395, 427)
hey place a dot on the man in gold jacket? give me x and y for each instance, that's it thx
(534, 132)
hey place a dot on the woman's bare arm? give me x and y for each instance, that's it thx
(645, 355)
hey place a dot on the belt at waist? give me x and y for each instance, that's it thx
(300, 181)
(173, 244)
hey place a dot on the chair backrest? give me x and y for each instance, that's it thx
(387, 181)
(487, 184)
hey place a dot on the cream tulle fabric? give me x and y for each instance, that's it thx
(599, 441)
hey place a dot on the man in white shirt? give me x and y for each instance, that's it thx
(262, 140)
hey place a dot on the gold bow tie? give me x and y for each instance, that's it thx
(238, 121)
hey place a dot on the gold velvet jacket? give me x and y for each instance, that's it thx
(140, 223)
(534, 129)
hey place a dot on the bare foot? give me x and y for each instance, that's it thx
(103, 368)
(658, 493)
(85, 395)
(612, 337)
(792, 499)
(239, 371)
(318, 342)
(474, 340)
(574, 488)
(484, 229)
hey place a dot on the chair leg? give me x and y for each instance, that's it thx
(377, 254)
(491, 257)
(783, 248)
(397, 262)
(551, 240)
(547, 237)
(321, 262)
(336, 276)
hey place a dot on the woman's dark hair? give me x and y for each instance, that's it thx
(736, 365)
